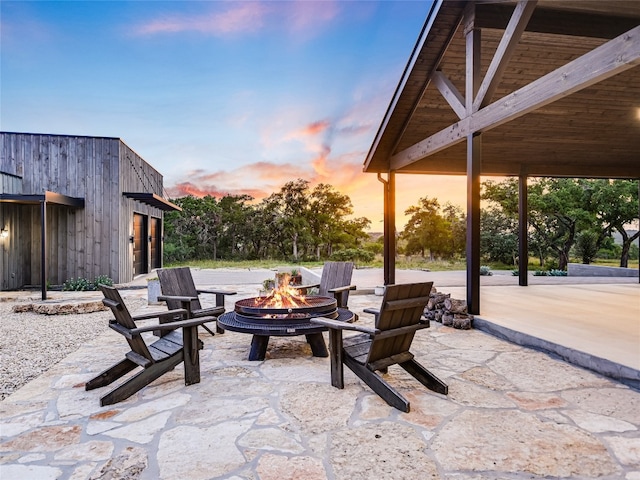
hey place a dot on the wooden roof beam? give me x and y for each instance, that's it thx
(450, 93)
(559, 22)
(507, 46)
(605, 61)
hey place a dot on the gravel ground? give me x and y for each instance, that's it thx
(32, 343)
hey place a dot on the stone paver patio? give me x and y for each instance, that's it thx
(511, 413)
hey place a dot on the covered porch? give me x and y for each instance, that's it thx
(544, 88)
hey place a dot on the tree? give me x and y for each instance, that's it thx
(327, 211)
(616, 204)
(193, 232)
(235, 214)
(498, 236)
(587, 245)
(558, 209)
(428, 229)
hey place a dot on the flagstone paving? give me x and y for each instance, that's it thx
(511, 413)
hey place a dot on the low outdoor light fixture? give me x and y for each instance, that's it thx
(4, 233)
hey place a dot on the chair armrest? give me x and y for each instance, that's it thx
(217, 292)
(304, 287)
(374, 311)
(339, 325)
(147, 316)
(178, 298)
(173, 325)
(342, 289)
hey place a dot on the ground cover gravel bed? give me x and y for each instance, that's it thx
(32, 343)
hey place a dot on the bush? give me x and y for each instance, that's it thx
(352, 255)
(557, 273)
(82, 284)
(485, 270)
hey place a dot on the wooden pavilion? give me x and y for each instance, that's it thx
(531, 88)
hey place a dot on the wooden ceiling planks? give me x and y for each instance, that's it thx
(593, 132)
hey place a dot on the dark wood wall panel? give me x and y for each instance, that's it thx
(80, 243)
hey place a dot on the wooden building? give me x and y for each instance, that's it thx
(76, 207)
(529, 88)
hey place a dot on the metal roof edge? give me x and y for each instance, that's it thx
(431, 16)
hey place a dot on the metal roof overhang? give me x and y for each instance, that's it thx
(567, 102)
(153, 200)
(48, 197)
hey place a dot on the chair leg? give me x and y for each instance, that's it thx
(209, 330)
(378, 385)
(141, 380)
(111, 374)
(191, 355)
(425, 377)
(337, 357)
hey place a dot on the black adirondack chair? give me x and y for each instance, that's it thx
(335, 281)
(155, 359)
(387, 344)
(179, 291)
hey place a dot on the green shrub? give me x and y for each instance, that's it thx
(557, 273)
(82, 284)
(77, 285)
(353, 255)
(102, 280)
(485, 270)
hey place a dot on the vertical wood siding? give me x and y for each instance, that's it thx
(81, 243)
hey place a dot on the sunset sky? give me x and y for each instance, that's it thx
(221, 97)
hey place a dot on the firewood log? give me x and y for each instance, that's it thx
(456, 306)
(461, 321)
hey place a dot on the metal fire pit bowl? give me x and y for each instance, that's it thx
(317, 306)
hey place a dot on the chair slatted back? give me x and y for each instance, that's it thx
(113, 300)
(402, 306)
(334, 275)
(179, 282)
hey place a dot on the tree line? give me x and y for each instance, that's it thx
(298, 223)
(566, 217)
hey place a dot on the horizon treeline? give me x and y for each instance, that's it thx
(567, 218)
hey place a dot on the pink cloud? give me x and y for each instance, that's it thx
(306, 17)
(238, 17)
(300, 18)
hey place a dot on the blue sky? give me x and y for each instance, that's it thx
(221, 97)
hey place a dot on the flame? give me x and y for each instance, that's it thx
(282, 296)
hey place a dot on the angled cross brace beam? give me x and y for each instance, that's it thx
(616, 56)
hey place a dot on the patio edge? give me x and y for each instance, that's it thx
(615, 371)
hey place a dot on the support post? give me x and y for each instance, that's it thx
(474, 160)
(389, 228)
(43, 256)
(474, 157)
(523, 240)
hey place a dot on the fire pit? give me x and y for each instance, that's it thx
(283, 313)
(259, 309)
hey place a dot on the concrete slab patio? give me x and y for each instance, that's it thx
(512, 412)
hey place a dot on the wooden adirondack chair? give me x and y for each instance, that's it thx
(334, 281)
(387, 344)
(155, 359)
(179, 291)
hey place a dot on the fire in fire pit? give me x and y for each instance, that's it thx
(284, 304)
